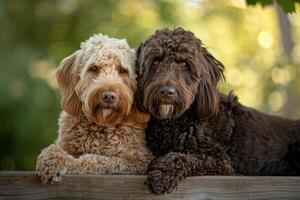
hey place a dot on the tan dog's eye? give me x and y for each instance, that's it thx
(122, 71)
(93, 68)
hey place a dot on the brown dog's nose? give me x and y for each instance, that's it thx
(109, 96)
(167, 91)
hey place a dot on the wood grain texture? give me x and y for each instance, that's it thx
(26, 185)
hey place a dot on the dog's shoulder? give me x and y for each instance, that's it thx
(66, 125)
(66, 135)
(229, 99)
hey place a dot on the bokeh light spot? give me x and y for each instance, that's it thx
(282, 75)
(265, 39)
(238, 3)
(276, 100)
(43, 69)
(234, 77)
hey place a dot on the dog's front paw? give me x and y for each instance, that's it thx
(51, 177)
(51, 164)
(160, 182)
(164, 173)
(51, 172)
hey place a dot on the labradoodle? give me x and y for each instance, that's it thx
(100, 130)
(194, 129)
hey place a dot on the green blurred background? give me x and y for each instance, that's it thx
(261, 55)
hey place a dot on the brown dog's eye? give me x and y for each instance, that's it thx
(93, 68)
(156, 62)
(184, 65)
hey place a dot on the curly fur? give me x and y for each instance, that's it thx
(207, 133)
(96, 137)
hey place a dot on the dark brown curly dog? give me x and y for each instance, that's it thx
(194, 129)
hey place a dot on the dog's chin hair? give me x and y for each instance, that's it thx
(106, 113)
(166, 110)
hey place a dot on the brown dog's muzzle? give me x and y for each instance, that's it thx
(167, 92)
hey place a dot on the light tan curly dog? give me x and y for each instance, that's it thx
(100, 130)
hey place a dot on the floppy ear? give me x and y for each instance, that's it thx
(139, 116)
(207, 98)
(67, 77)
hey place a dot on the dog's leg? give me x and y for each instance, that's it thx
(165, 172)
(288, 166)
(52, 163)
(99, 164)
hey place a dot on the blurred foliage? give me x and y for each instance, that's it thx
(287, 5)
(37, 34)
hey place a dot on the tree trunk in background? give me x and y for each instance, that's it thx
(285, 30)
(287, 45)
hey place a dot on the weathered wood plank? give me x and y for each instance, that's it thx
(26, 185)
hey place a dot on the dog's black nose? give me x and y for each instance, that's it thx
(167, 91)
(109, 96)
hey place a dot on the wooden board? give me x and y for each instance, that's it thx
(26, 185)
